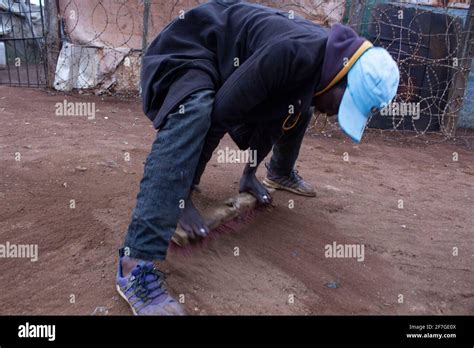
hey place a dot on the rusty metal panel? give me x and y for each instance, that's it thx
(114, 23)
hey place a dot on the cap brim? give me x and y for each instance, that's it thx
(351, 119)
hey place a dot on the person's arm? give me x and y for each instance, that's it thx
(270, 71)
(261, 143)
(214, 135)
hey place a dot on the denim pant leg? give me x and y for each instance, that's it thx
(168, 174)
(287, 148)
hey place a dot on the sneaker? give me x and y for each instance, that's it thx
(292, 183)
(145, 291)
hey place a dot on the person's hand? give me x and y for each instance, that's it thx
(249, 183)
(192, 222)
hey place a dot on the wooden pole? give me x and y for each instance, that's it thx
(356, 15)
(53, 40)
(146, 16)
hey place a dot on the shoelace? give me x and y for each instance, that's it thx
(140, 283)
(294, 176)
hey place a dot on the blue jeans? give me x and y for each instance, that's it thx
(170, 168)
(167, 179)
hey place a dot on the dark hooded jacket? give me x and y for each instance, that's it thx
(259, 60)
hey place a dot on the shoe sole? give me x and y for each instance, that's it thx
(126, 299)
(272, 184)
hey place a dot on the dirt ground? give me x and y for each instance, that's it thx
(409, 252)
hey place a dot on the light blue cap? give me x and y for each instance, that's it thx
(372, 82)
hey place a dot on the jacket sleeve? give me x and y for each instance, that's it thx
(270, 71)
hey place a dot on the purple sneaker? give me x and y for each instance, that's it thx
(145, 291)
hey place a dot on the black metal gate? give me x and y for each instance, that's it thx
(22, 43)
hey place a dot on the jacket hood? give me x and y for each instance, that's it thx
(343, 48)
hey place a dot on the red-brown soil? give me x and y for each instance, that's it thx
(408, 251)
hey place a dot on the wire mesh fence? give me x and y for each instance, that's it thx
(22, 44)
(102, 41)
